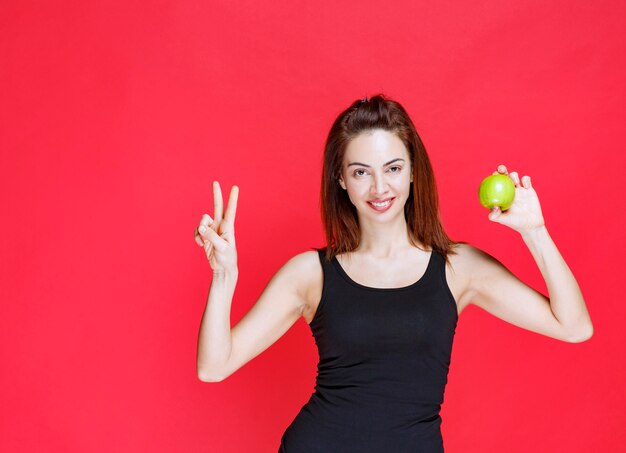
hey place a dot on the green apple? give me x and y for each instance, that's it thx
(497, 190)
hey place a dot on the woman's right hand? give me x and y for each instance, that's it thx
(217, 236)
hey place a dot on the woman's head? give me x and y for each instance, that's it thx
(376, 174)
(372, 121)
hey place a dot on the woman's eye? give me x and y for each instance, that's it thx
(361, 172)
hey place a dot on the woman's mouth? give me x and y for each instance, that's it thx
(381, 206)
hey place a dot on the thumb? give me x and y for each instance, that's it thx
(495, 213)
(215, 240)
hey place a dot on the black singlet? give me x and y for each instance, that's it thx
(384, 355)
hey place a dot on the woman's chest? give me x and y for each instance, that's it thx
(360, 323)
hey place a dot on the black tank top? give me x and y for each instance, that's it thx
(384, 355)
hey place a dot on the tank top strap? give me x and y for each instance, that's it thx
(438, 261)
(327, 270)
(439, 264)
(322, 253)
(440, 268)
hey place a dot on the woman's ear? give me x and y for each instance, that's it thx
(341, 183)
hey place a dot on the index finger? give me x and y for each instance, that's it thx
(231, 209)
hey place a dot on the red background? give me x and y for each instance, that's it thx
(116, 118)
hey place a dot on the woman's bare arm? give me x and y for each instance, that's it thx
(563, 314)
(222, 351)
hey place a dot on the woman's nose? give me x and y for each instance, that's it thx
(379, 185)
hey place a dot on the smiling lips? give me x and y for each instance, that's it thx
(381, 205)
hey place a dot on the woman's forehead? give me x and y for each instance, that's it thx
(375, 148)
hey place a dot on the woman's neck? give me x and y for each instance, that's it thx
(384, 240)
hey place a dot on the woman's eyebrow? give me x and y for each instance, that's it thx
(365, 165)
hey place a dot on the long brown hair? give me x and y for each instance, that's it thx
(421, 210)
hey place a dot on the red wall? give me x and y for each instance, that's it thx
(115, 117)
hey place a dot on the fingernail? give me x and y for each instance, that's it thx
(202, 229)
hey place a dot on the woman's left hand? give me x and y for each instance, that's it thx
(524, 215)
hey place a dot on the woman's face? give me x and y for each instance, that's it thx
(376, 172)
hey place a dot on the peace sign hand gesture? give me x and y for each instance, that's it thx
(217, 236)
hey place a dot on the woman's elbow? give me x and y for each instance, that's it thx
(584, 336)
(206, 376)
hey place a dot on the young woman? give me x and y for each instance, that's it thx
(383, 297)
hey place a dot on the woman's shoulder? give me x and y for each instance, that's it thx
(469, 261)
(463, 254)
(305, 271)
(305, 261)
(464, 264)
(304, 268)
